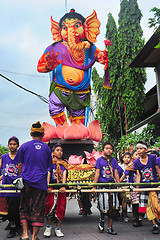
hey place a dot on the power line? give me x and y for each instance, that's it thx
(34, 114)
(24, 74)
(37, 95)
(15, 127)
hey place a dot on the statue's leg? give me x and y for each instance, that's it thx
(60, 118)
(77, 119)
(56, 109)
(77, 116)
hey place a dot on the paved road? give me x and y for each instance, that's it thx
(77, 227)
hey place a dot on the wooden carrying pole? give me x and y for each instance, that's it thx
(95, 191)
(92, 184)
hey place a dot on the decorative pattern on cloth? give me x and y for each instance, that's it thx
(76, 99)
(3, 206)
(153, 208)
(108, 203)
(110, 167)
(125, 198)
(81, 173)
(37, 127)
(134, 196)
(143, 202)
(55, 205)
(107, 80)
(58, 169)
(61, 206)
(67, 60)
(32, 205)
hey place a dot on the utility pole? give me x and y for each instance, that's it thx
(125, 117)
(120, 117)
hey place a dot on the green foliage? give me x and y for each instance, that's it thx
(158, 45)
(131, 140)
(157, 143)
(105, 102)
(155, 21)
(3, 149)
(127, 84)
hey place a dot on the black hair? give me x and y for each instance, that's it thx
(133, 152)
(71, 14)
(143, 142)
(14, 139)
(126, 153)
(153, 152)
(37, 134)
(56, 145)
(107, 143)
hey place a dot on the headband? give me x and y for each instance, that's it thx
(37, 127)
(140, 145)
(55, 146)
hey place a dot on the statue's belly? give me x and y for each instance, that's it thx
(72, 76)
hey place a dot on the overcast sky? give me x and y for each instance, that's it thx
(25, 33)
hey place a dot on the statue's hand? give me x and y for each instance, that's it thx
(51, 61)
(103, 58)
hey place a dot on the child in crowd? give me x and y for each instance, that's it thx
(126, 159)
(9, 164)
(3, 202)
(106, 172)
(147, 169)
(130, 174)
(56, 203)
(134, 155)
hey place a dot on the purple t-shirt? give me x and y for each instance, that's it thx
(53, 178)
(120, 171)
(105, 173)
(130, 176)
(148, 172)
(36, 158)
(158, 161)
(10, 173)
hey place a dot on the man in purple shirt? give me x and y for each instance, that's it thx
(34, 160)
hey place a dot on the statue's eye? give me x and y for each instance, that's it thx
(77, 25)
(64, 27)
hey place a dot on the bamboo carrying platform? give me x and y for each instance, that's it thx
(82, 187)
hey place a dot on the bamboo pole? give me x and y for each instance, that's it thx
(95, 191)
(90, 184)
(10, 191)
(102, 184)
(110, 190)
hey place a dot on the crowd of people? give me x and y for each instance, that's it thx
(33, 166)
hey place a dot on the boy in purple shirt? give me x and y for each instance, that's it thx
(34, 160)
(56, 203)
(147, 169)
(130, 176)
(106, 172)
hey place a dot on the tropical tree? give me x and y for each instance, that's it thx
(127, 84)
(105, 96)
(130, 43)
(155, 21)
(3, 150)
